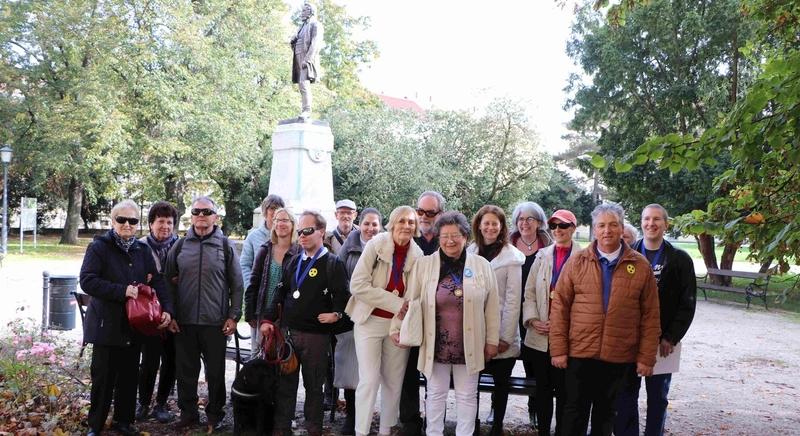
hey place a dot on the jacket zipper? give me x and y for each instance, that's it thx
(199, 282)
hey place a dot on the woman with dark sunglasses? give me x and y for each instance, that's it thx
(536, 312)
(490, 231)
(114, 263)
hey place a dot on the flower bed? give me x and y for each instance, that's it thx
(44, 389)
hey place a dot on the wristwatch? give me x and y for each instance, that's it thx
(340, 315)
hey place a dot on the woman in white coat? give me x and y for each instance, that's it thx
(457, 292)
(378, 288)
(490, 232)
(536, 313)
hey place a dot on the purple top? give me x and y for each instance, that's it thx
(449, 346)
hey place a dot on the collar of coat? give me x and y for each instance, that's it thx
(627, 255)
(384, 249)
(508, 256)
(550, 249)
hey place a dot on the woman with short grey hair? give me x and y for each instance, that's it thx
(528, 235)
(458, 298)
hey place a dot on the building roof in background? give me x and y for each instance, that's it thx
(401, 103)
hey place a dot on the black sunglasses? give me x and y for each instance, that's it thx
(205, 212)
(562, 226)
(124, 219)
(427, 213)
(308, 231)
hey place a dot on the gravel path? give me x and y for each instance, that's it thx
(740, 369)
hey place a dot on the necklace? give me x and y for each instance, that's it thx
(530, 246)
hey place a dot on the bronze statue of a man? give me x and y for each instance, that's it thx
(306, 46)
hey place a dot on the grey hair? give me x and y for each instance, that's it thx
(435, 194)
(610, 207)
(319, 220)
(271, 200)
(398, 212)
(452, 218)
(531, 208)
(631, 228)
(124, 204)
(205, 198)
(657, 207)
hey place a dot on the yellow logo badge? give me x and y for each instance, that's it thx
(631, 269)
(313, 272)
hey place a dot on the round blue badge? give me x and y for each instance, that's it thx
(467, 272)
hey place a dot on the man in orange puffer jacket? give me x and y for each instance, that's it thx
(604, 318)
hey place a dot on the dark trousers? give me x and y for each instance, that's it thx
(500, 370)
(409, 396)
(549, 386)
(195, 342)
(157, 352)
(112, 373)
(530, 369)
(311, 350)
(591, 385)
(627, 420)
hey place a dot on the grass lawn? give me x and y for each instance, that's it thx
(47, 248)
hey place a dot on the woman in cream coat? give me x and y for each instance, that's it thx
(378, 287)
(457, 292)
(490, 230)
(535, 311)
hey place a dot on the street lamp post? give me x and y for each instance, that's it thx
(5, 155)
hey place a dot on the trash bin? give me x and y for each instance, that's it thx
(62, 302)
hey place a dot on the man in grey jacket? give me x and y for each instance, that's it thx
(203, 272)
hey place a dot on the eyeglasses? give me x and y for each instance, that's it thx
(308, 231)
(124, 219)
(528, 220)
(205, 212)
(427, 213)
(562, 226)
(282, 220)
(451, 237)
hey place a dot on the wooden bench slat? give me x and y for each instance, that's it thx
(741, 274)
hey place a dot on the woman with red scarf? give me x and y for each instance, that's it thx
(378, 287)
(536, 314)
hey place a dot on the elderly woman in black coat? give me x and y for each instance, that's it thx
(113, 264)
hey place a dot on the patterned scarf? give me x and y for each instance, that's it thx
(161, 248)
(124, 244)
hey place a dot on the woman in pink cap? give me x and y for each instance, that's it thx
(536, 315)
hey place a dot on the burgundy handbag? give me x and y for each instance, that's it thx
(144, 311)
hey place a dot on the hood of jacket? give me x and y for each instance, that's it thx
(508, 256)
(352, 244)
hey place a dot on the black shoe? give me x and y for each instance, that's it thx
(161, 414)
(497, 430)
(142, 412)
(348, 427)
(411, 429)
(125, 429)
(186, 421)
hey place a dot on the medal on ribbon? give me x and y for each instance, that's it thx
(296, 294)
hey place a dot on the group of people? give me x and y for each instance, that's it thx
(586, 323)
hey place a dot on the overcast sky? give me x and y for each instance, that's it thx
(457, 55)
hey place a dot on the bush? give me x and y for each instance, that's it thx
(42, 389)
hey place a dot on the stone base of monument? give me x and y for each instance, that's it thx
(301, 167)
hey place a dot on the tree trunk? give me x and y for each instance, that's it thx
(726, 261)
(765, 265)
(174, 187)
(705, 243)
(74, 202)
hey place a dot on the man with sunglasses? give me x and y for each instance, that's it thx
(206, 280)
(313, 295)
(430, 206)
(677, 293)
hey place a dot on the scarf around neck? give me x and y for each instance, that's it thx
(124, 244)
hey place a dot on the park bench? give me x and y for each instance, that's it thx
(756, 288)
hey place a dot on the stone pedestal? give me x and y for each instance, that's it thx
(301, 167)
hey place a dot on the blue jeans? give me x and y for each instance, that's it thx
(627, 420)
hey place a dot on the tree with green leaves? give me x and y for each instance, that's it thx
(669, 65)
(758, 190)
